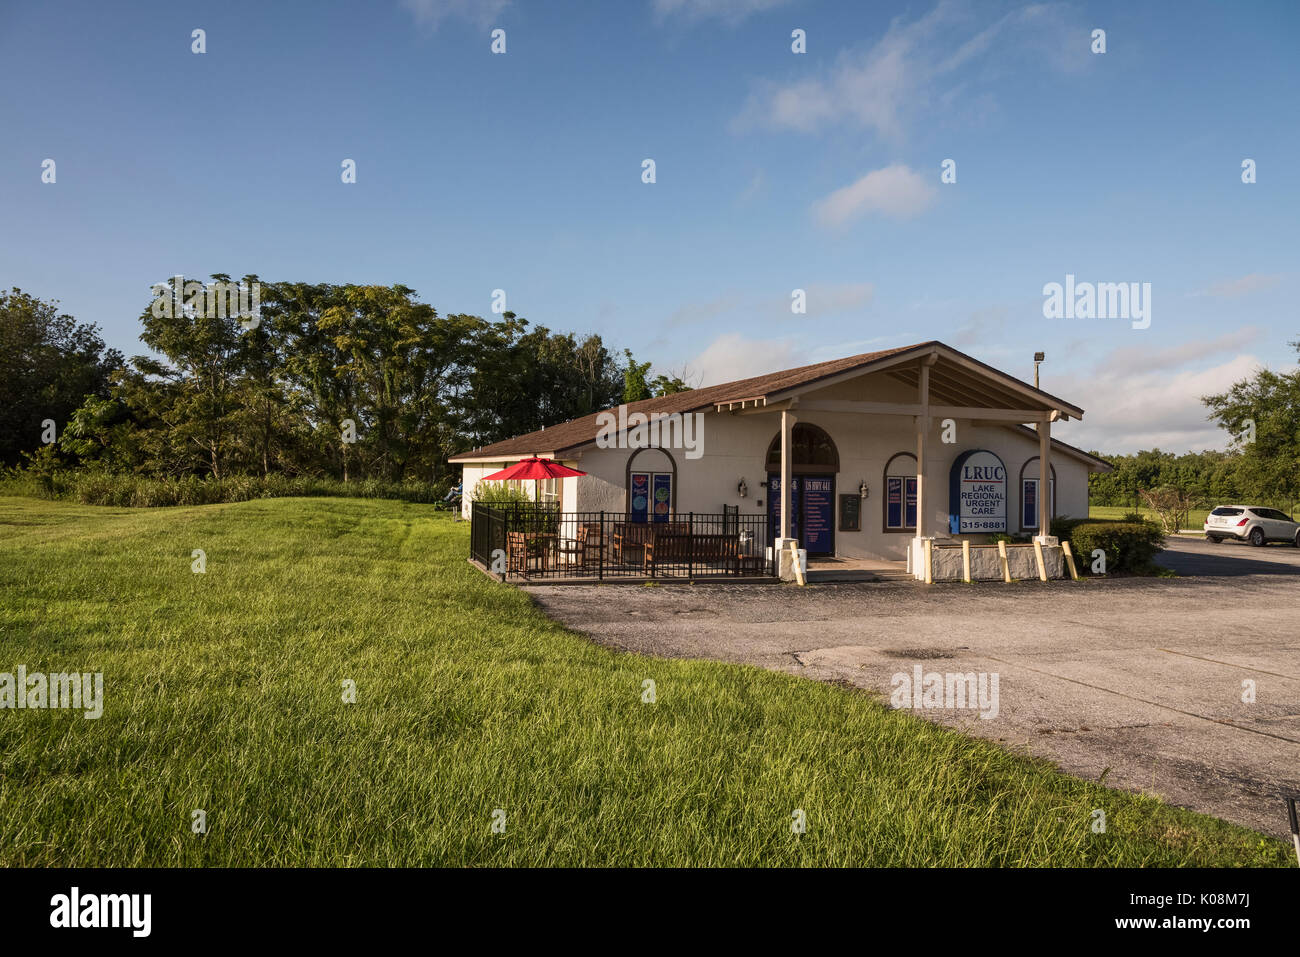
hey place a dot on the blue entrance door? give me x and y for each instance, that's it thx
(817, 514)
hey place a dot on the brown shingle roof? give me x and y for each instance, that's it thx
(577, 432)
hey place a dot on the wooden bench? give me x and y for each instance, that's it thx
(686, 548)
(633, 537)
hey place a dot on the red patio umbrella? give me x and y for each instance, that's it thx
(533, 468)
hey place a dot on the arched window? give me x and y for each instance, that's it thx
(651, 485)
(899, 500)
(1029, 497)
(811, 453)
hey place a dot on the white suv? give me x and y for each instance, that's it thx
(1251, 523)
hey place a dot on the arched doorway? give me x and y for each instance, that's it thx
(814, 464)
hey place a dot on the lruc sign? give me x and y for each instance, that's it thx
(977, 494)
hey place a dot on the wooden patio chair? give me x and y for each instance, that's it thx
(517, 553)
(591, 544)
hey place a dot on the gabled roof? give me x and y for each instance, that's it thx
(955, 379)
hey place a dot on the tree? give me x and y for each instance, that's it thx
(219, 397)
(521, 380)
(49, 363)
(1171, 505)
(634, 385)
(206, 356)
(1262, 414)
(668, 385)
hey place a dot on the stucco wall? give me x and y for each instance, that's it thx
(471, 475)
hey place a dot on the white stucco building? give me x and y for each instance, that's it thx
(854, 458)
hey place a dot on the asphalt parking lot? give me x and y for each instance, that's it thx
(1139, 679)
(1196, 556)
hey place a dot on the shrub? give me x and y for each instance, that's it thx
(499, 493)
(1171, 504)
(1063, 527)
(1129, 546)
(1013, 538)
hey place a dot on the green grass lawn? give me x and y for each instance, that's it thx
(223, 692)
(1195, 518)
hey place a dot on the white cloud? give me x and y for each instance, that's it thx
(732, 11)
(431, 13)
(897, 191)
(1135, 360)
(753, 190)
(732, 356)
(916, 66)
(1244, 286)
(1129, 408)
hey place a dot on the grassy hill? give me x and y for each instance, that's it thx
(223, 692)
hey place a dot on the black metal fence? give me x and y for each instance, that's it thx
(539, 542)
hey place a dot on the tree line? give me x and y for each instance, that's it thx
(363, 381)
(341, 381)
(1261, 413)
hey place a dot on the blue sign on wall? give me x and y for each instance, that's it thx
(774, 504)
(818, 514)
(640, 509)
(977, 493)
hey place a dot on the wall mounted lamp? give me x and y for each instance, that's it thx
(742, 489)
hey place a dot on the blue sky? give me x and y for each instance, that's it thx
(775, 171)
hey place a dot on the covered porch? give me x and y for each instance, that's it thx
(943, 395)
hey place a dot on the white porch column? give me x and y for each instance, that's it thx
(922, 447)
(787, 466)
(1044, 476)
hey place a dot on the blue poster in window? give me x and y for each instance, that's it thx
(911, 503)
(640, 493)
(818, 513)
(1029, 511)
(774, 504)
(894, 503)
(663, 496)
